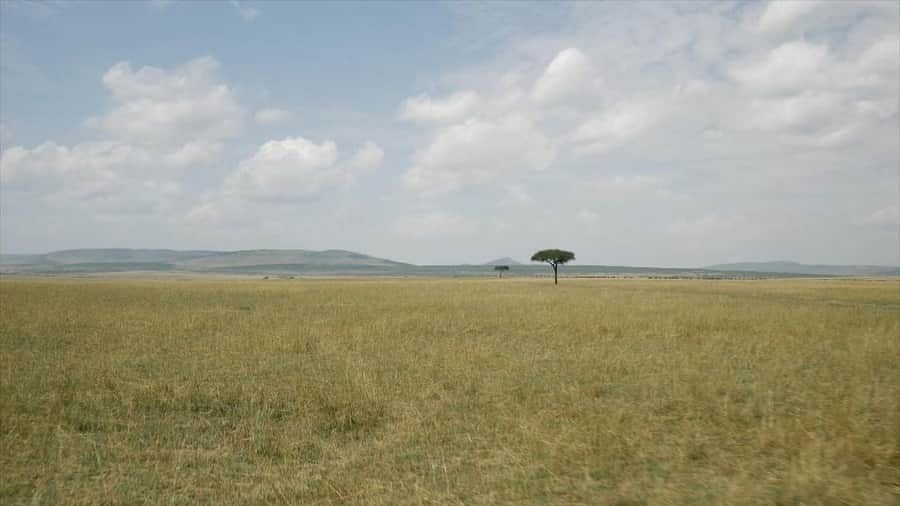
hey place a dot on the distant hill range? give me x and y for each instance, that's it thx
(806, 269)
(248, 261)
(503, 261)
(272, 262)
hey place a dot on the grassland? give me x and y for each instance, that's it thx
(619, 392)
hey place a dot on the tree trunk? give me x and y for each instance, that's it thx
(555, 278)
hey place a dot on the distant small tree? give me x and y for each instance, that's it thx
(500, 269)
(554, 257)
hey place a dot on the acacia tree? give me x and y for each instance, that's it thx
(500, 269)
(554, 257)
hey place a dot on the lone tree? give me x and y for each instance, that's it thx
(500, 269)
(554, 257)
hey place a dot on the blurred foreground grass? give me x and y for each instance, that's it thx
(620, 392)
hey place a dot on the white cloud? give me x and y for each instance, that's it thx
(245, 12)
(807, 110)
(271, 116)
(791, 67)
(781, 14)
(369, 157)
(450, 108)
(879, 109)
(619, 125)
(161, 120)
(478, 152)
(882, 57)
(636, 188)
(800, 67)
(285, 172)
(219, 210)
(568, 75)
(107, 178)
(83, 170)
(517, 196)
(163, 108)
(805, 96)
(193, 153)
(205, 214)
(130, 198)
(432, 224)
(623, 184)
(288, 169)
(887, 217)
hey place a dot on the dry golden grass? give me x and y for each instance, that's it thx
(620, 392)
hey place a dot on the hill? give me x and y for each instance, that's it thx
(781, 267)
(249, 258)
(251, 261)
(502, 261)
(122, 256)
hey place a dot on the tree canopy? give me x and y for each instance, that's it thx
(554, 257)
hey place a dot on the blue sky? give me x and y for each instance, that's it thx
(647, 134)
(316, 55)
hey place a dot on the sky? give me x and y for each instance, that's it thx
(656, 134)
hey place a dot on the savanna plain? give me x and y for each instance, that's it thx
(450, 391)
